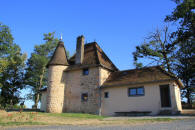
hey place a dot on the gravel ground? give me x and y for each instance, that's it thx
(187, 124)
(149, 117)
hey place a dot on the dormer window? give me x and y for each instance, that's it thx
(86, 71)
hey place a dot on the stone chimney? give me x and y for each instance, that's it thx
(80, 50)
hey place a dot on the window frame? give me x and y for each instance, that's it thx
(129, 95)
(82, 97)
(106, 93)
(84, 70)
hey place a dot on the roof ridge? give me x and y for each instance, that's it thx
(138, 68)
(168, 73)
(102, 52)
(89, 43)
(157, 74)
(96, 53)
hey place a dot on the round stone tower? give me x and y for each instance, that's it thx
(56, 85)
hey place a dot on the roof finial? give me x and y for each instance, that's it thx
(61, 37)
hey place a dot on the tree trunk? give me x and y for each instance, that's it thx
(188, 93)
(188, 96)
(36, 100)
(164, 53)
(167, 62)
(37, 95)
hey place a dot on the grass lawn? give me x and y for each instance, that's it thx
(38, 118)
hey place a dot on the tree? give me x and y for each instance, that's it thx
(184, 14)
(36, 72)
(6, 40)
(11, 67)
(158, 48)
(185, 69)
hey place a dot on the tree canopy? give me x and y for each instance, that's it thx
(158, 48)
(12, 63)
(174, 50)
(184, 14)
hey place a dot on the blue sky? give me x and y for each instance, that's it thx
(116, 25)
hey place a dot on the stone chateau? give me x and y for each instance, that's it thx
(89, 82)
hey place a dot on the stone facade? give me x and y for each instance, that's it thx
(80, 50)
(118, 100)
(56, 85)
(66, 87)
(79, 84)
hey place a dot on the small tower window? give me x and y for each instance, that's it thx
(86, 71)
(106, 95)
(84, 97)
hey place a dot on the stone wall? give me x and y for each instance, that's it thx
(56, 86)
(76, 84)
(65, 89)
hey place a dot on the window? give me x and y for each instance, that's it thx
(86, 71)
(132, 91)
(106, 95)
(136, 91)
(140, 91)
(84, 97)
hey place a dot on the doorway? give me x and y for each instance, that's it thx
(165, 96)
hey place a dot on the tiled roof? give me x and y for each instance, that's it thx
(93, 56)
(140, 76)
(59, 57)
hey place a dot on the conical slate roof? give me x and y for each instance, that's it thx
(59, 57)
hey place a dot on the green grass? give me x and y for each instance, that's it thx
(0, 120)
(39, 118)
(11, 123)
(75, 115)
